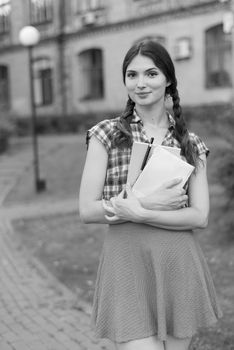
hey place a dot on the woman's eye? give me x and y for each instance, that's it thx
(152, 74)
(131, 75)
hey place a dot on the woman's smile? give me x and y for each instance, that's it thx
(142, 94)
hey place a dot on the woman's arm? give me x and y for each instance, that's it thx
(92, 183)
(192, 217)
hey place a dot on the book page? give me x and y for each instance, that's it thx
(137, 156)
(161, 167)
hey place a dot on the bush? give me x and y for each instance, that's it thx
(58, 125)
(226, 177)
(6, 129)
(215, 118)
(226, 172)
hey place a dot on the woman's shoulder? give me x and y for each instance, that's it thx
(198, 143)
(106, 124)
(103, 131)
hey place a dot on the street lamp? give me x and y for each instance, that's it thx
(29, 37)
(228, 27)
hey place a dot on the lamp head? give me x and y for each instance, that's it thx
(29, 36)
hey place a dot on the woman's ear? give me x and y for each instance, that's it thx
(168, 84)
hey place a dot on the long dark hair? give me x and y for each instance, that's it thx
(161, 58)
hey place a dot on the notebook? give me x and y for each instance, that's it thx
(137, 156)
(162, 166)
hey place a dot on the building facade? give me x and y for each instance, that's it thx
(77, 63)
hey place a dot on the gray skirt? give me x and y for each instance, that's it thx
(152, 281)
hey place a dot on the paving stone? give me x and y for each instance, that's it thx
(3, 328)
(10, 336)
(20, 345)
(5, 346)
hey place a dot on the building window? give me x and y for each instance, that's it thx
(91, 73)
(218, 57)
(4, 88)
(87, 5)
(43, 82)
(41, 11)
(5, 10)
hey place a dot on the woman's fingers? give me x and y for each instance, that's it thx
(108, 208)
(128, 190)
(112, 218)
(183, 201)
(184, 198)
(121, 194)
(172, 183)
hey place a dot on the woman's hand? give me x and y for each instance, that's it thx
(167, 197)
(126, 209)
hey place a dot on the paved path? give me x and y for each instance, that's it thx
(36, 311)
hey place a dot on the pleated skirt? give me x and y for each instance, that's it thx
(152, 281)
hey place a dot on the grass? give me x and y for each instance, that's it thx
(61, 164)
(70, 249)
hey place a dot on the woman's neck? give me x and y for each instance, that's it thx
(153, 115)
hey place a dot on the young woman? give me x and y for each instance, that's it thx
(153, 288)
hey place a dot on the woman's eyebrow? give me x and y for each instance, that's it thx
(153, 68)
(147, 70)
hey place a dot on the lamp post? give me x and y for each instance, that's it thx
(29, 37)
(228, 27)
(232, 38)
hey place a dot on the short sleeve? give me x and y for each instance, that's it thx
(103, 132)
(201, 146)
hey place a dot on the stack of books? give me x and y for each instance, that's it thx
(164, 164)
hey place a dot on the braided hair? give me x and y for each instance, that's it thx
(123, 135)
(188, 149)
(161, 58)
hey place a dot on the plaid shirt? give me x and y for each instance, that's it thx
(118, 159)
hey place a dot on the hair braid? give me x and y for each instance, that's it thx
(180, 129)
(123, 135)
(188, 150)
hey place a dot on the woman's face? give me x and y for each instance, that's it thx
(145, 83)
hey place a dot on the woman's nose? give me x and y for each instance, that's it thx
(141, 82)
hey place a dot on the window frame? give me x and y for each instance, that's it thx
(5, 24)
(35, 17)
(6, 88)
(95, 82)
(40, 66)
(220, 48)
(83, 6)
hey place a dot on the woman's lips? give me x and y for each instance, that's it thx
(142, 94)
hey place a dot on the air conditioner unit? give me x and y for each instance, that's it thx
(183, 49)
(89, 18)
(228, 22)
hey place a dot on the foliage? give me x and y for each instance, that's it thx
(214, 117)
(226, 172)
(53, 124)
(226, 177)
(6, 130)
(217, 120)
